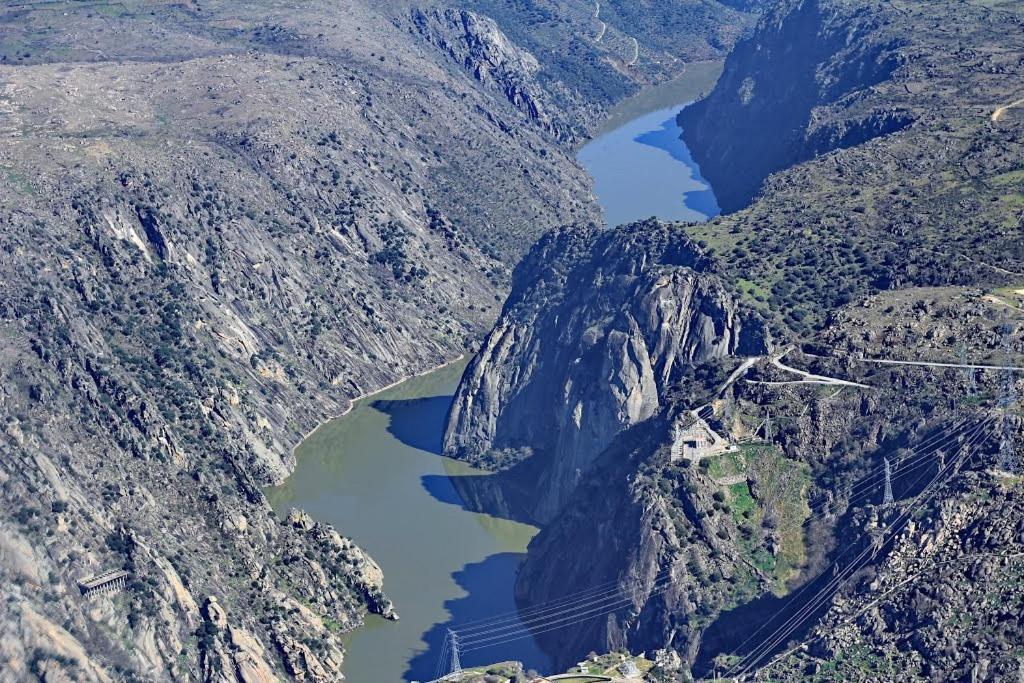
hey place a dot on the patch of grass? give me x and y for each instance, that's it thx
(727, 464)
(740, 500)
(781, 485)
(1011, 179)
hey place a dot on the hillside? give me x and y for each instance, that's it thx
(874, 185)
(884, 165)
(221, 222)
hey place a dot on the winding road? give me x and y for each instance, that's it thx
(884, 361)
(636, 52)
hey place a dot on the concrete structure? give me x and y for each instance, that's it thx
(696, 440)
(112, 580)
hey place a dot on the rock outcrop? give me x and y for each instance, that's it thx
(475, 43)
(794, 89)
(667, 560)
(598, 325)
(879, 174)
(211, 240)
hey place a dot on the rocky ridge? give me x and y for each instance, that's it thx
(894, 181)
(755, 123)
(565, 333)
(477, 44)
(211, 242)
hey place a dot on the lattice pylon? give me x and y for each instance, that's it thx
(453, 638)
(1007, 453)
(887, 496)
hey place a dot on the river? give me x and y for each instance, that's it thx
(640, 166)
(377, 475)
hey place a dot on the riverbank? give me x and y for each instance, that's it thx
(460, 358)
(697, 80)
(377, 475)
(639, 163)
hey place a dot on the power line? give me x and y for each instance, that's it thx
(600, 602)
(885, 361)
(940, 436)
(782, 656)
(439, 669)
(765, 624)
(540, 609)
(837, 582)
(563, 623)
(799, 592)
(607, 598)
(612, 602)
(563, 613)
(793, 622)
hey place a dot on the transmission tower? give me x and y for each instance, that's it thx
(887, 496)
(972, 384)
(1007, 455)
(768, 425)
(453, 638)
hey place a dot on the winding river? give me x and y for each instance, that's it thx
(640, 166)
(377, 475)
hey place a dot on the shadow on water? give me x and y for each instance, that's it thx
(498, 494)
(440, 488)
(417, 422)
(486, 596)
(667, 138)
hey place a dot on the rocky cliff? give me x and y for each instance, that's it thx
(798, 87)
(696, 555)
(599, 324)
(478, 45)
(212, 239)
(608, 50)
(894, 191)
(655, 535)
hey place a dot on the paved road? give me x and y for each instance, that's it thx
(810, 378)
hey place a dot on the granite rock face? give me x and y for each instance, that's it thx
(211, 240)
(478, 45)
(794, 89)
(596, 327)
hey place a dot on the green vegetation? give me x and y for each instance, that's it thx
(741, 502)
(769, 506)
(859, 662)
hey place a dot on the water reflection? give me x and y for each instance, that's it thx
(643, 169)
(376, 475)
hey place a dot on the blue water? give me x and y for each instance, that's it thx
(644, 169)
